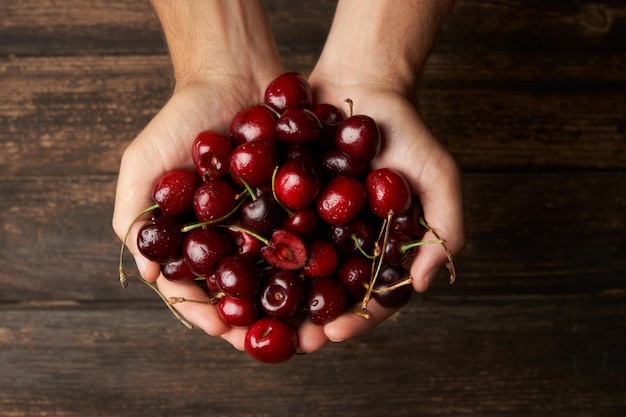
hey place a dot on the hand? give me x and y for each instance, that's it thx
(432, 173)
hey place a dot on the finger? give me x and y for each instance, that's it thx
(350, 324)
(236, 336)
(441, 199)
(203, 315)
(311, 337)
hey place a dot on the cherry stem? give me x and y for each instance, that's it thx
(377, 263)
(190, 227)
(176, 300)
(273, 110)
(248, 190)
(123, 280)
(407, 281)
(248, 231)
(449, 255)
(408, 246)
(351, 106)
(289, 212)
(355, 239)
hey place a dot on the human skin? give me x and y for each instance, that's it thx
(224, 55)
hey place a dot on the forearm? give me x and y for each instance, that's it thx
(217, 37)
(382, 41)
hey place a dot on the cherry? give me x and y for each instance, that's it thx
(253, 162)
(203, 248)
(237, 276)
(214, 200)
(356, 236)
(326, 299)
(178, 270)
(408, 223)
(246, 244)
(322, 260)
(304, 222)
(297, 183)
(238, 312)
(160, 239)
(211, 283)
(282, 294)
(210, 152)
(289, 90)
(341, 200)
(388, 276)
(298, 126)
(285, 250)
(174, 192)
(331, 117)
(359, 137)
(354, 273)
(388, 192)
(257, 122)
(271, 341)
(396, 253)
(262, 215)
(336, 163)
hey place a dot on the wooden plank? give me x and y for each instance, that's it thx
(465, 357)
(82, 112)
(527, 233)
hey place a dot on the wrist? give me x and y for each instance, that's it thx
(218, 41)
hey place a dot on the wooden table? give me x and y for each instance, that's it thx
(529, 96)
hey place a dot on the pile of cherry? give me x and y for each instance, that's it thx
(282, 219)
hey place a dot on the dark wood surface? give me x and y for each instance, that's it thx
(530, 96)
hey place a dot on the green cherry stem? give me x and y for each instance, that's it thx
(248, 231)
(290, 213)
(192, 226)
(409, 246)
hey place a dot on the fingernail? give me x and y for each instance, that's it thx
(141, 264)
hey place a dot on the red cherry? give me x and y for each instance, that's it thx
(246, 245)
(271, 341)
(237, 276)
(297, 183)
(289, 90)
(238, 312)
(160, 239)
(336, 163)
(298, 126)
(254, 162)
(214, 199)
(354, 273)
(304, 222)
(326, 300)
(203, 248)
(388, 276)
(174, 192)
(178, 270)
(210, 152)
(388, 192)
(322, 260)
(257, 122)
(285, 250)
(282, 294)
(341, 200)
(359, 137)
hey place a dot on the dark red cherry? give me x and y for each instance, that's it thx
(391, 275)
(238, 312)
(408, 223)
(388, 192)
(262, 215)
(246, 245)
(285, 250)
(289, 90)
(178, 270)
(211, 283)
(174, 192)
(336, 163)
(257, 122)
(254, 162)
(214, 199)
(297, 183)
(359, 137)
(210, 152)
(322, 260)
(341, 200)
(160, 239)
(237, 276)
(281, 295)
(304, 222)
(202, 248)
(326, 299)
(361, 232)
(298, 126)
(271, 341)
(331, 117)
(396, 252)
(354, 273)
